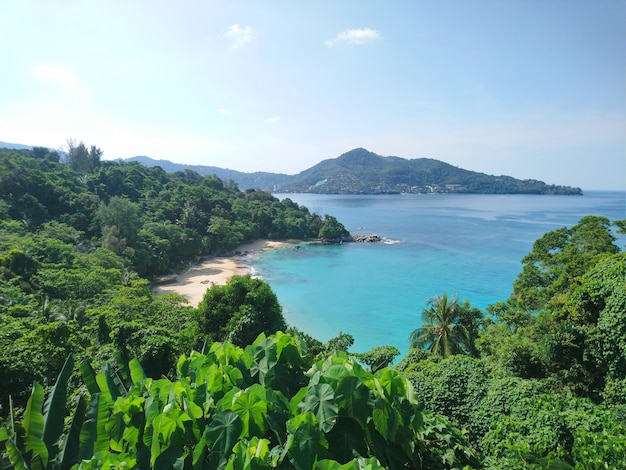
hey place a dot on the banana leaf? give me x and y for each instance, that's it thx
(54, 407)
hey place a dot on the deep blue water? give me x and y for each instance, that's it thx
(468, 244)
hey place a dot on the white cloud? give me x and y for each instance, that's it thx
(240, 36)
(225, 111)
(354, 36)
(55, 73)
(272, 120)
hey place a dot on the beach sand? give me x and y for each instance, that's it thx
(193, 283)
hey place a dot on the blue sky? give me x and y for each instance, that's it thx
(527, 88)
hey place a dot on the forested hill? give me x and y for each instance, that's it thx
(260, 180)
(155, 221)
(362, 172)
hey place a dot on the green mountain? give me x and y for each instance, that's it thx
(362, 172)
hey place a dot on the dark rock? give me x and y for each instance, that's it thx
(367, 238)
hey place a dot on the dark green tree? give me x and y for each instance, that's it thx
(120, 222)
(558, 257)
(378, 357)
(240, 311)
(331, 229)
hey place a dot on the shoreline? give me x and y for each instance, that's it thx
(195, 280)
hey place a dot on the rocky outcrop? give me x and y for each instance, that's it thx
(367, 238)
(352, 238)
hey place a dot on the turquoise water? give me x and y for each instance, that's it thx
(468, 244)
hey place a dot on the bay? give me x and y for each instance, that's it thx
(471, 245)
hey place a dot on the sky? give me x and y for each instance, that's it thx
(527, 88)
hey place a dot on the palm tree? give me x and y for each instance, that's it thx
(441, 332)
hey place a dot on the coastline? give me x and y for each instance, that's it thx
(194, 281)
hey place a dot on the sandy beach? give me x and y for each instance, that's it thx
(193, 283)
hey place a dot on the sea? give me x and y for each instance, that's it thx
(469, 245)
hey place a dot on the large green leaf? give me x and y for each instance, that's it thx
(355, 399)
(253, 454)
(93, 437)
(320, 400)
(54, 407)
(33, 424)
(264, 357)
(33, 421)
(278, 413)
(334, 374)
(386, 419)
(306, 443)
(152, 408)
(288, 351)
(392, 383)
(172, 458)
(109, 383)
(346, 440)
(115, 428)
(68, 454)
(214, 379)
(225, 353)
(137, 374)
(296, 401)
(168, 434)
(281, 379)
(15, 456)
(251, 407)
(222, 433)
(89, 377)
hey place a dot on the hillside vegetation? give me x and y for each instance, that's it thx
(77, 251)
(362, 172)
(98, 372)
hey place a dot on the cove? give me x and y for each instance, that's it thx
(471, 245)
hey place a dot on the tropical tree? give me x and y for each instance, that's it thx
(240, 311)
(442, 332)
(379, 357)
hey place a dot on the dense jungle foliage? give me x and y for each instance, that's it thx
(80, 238)
(126, 379)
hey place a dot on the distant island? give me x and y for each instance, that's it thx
(362, 172)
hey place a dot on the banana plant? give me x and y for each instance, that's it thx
(39, 441)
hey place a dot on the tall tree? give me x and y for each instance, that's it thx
(120, 222)
(80, 159)
(442, 332)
